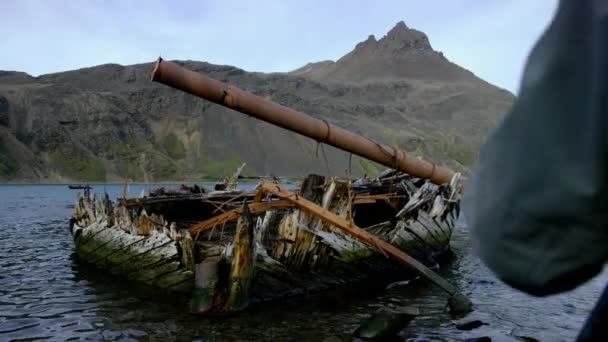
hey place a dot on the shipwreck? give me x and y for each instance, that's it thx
(230, 248)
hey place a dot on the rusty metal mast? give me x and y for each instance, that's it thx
(197, 84)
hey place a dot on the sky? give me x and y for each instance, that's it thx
(491, 38)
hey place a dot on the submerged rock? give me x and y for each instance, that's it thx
(385, 322)
(479, 339)
(470, 325)
(459, 304)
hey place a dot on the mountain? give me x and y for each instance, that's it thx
(403, 53)
(110, 121)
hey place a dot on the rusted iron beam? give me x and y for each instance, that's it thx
(458, 301)
(322, 131)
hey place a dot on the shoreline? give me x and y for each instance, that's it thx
(243, 180)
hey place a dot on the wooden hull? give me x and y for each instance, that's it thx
(271, 255)
(152, 260)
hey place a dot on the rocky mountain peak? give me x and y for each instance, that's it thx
(401, 42)
(403, 53)
(399, 28)
(368, 45)
(402, 38)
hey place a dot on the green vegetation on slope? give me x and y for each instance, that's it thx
(127, 158)
(437, 146)
(174, 147)
(219, 168)
(8, 164)
(78, 167)
(142, 161)
(162, 167)
(367, 167)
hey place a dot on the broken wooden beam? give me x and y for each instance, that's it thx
(363, 199)
(231, 215)
(243, 262)
(207, 294)
(458, 302)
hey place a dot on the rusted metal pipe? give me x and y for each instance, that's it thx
(197, 84)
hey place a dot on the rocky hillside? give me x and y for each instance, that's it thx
(110, 121)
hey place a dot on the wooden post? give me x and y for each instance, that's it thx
(241, 268)
(124, 189)
(206, 275)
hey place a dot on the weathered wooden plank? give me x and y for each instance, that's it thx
(101, 241)
(90, 231)
(152, 260)
(184, 286)
(133, 249)
(411, 236)
(150, 273)
(458, 300)
(166, 251)
(155, 248)
(119, 244)
(164, 275)
(255, 208)
(306, 242)
(170, 279)
(186, 245)
(243, 263)
(206, 277)
(437, 234)
(85, 242)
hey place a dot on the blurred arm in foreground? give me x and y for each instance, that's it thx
(537, 202)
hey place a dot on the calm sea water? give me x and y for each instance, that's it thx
(47, 293)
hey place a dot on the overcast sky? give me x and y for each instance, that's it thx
(489, 37)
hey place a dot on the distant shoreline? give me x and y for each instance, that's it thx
(243, 180)
(120, 183)
(109, 183)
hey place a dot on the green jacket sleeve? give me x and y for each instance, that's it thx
(537, 201)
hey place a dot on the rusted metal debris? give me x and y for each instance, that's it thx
(322, 131)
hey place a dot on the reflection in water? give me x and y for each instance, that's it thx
(46, 292)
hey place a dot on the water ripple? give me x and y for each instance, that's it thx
(46, 293)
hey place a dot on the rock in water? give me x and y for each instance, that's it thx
(459, 304)
(479, 339)
(470, 325)
(385, 322)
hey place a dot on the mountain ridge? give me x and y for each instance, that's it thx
(402, 53)
(106, 122)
